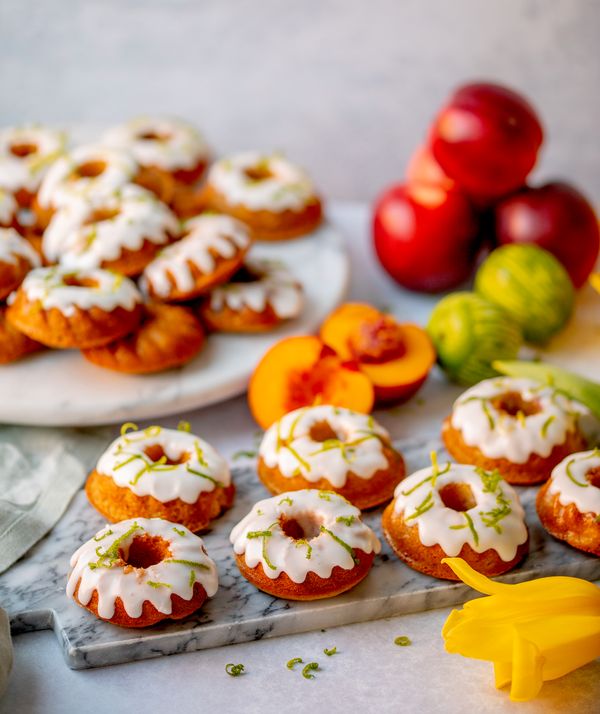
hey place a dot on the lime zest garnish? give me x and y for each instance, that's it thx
(103, 536)
(179, 531)
(330, 652)
(128, 426)
(346, 520)
(342, 543)
(293, 662)
(154, 584)
(546, 424)
(287, 500)
(570, 475)
(308, 669)
(184, 426)
(189, 563)
(234, 670)
(423, 507)
(402, 641)
(244, 454)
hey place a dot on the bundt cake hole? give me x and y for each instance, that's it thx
(258, 173)
(89, 169)
(23, 149)
(303, 526)
(593, 477)
(323, 431)
(246, 275)
(155, 452)
(153, 136)
(512, 403)
(457, 496)
(75, 281)
(146, 550)
(101, 214)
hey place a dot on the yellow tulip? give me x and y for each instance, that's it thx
(532, 631)
(595, 281)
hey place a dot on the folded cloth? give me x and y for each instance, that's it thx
(6, 653)
(40, 472)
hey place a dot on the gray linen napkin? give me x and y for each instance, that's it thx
(41, 469)
(6, 652)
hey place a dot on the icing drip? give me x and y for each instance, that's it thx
(111, 290)
(13, 245)
(206, 236)
(500, 435)
(8, 208)
(569, 481)
(128, 464)
(338, 532)
(62, 184)
(288, 445)
(170, 144)
(133, 215)
(101, 565)
(274, 286)
(26, 154)
(496, 521)
(284, 186)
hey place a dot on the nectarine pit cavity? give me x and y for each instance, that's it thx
(377, 341)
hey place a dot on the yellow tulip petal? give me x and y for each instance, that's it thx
(595, 281)
(502, 674)
(532, 631)
(527, 664)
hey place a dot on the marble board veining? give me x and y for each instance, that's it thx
(33, 590)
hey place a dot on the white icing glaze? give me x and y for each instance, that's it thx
(278, 553)
(288, 446)
(111, 578)
(180, 146)
(61, 185)
(126, 462)
(8, 208)
(26, 172)
(13, 245)
(49, 287)
(274, 286)
(450, 529)
(569, 481)
(499, 435)
(287, 188)
(205, 236)
(77, 243)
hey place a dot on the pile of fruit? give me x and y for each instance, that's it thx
(465, 194)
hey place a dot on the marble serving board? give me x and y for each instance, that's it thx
(33, 589)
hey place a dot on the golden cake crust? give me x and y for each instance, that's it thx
(150, 615)
(580, 530)
(82, 329)
(535, 470)
(12, 275)
(269, 225)
(14, 344)
(362, 493)
(405, 542)
(313, 587)
(117, 503)
(167, 336)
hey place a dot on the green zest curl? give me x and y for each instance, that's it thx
(308, 669)
(128, 426)
(234, 670)
(103, 536)
(189, 563)
(402, 641)
(423, 507)
(342, 543)
(287, 500)
(570, 475)
(184, 426)
(244, 454)
(154, 584)
(293, 662)
(346, 520)
(179, 531)
(111, 554)
(330, 652)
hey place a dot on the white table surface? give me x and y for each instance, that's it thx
(369, 671)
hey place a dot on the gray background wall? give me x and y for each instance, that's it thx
(344, 86)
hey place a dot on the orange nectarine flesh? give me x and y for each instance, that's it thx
(301, 371)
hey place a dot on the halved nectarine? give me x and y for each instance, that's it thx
(396, 357)
(301, 371)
